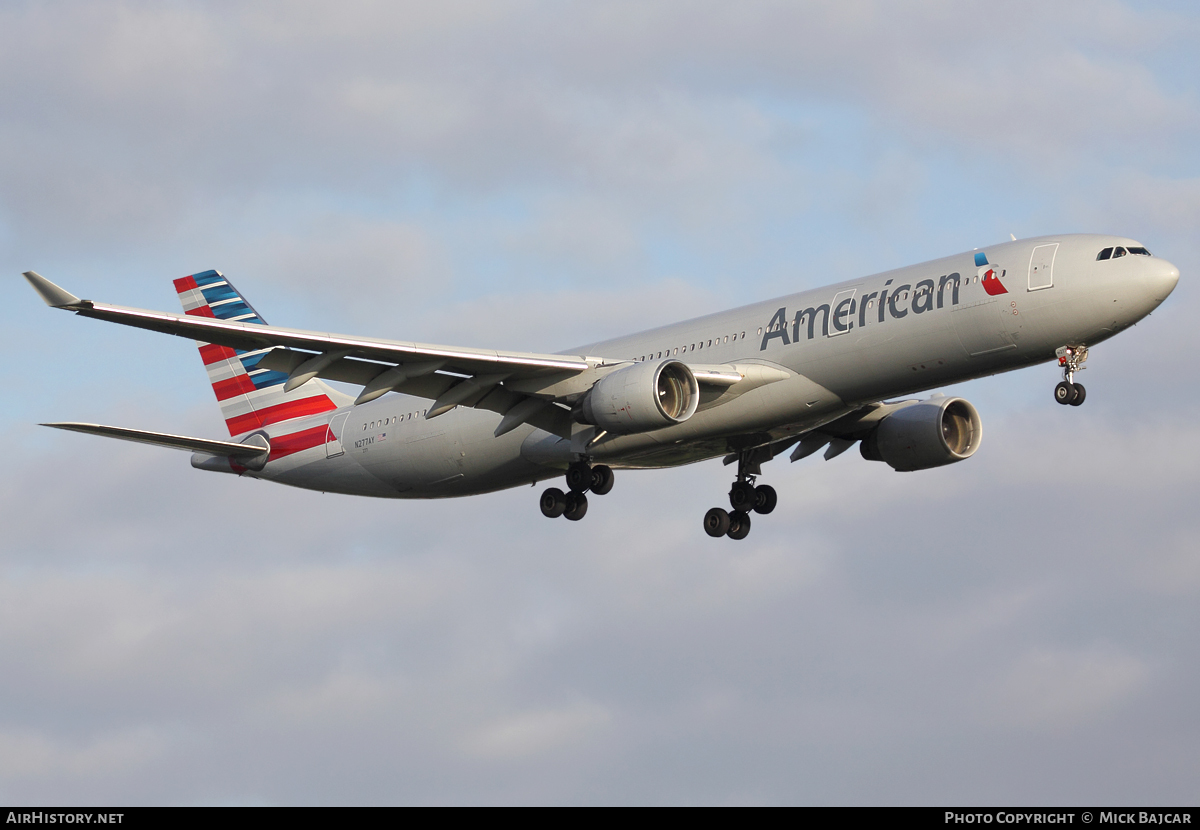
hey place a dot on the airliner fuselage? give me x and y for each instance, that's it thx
(884, 336)
(812, 367)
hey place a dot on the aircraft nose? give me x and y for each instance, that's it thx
(1163, 277)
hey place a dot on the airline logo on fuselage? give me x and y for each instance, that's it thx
(841, 314)
(988, 276)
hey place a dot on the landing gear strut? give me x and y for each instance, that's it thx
(573, 504)
(744, 497)
(1071, 358)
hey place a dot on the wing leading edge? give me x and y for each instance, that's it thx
(536, 389)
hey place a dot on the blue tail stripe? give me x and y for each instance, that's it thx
(207, 277)
(218, 293)
(265, 379)
(228, 310)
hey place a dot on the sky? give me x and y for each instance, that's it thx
(1017, 629)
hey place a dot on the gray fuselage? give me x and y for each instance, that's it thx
(842, 346)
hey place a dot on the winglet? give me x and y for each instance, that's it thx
(54, 296)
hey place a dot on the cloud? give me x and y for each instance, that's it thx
(536, 176)
(1056, 690)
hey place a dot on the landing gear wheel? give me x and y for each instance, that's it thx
(765, 499)
(1080, 394)
(742, 496)
(602, 479)
(553, 503)
(739, 525)
(716, 522)
(576, 506)
(579, 477)
(1064, 393)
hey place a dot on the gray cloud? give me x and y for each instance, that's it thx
(1014, 629)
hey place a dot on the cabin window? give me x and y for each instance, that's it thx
(760, 330)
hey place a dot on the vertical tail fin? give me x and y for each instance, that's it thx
(250, 398)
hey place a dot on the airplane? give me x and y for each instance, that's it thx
(820, 369)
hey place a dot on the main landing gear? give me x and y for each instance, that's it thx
(744, 498)
(573, 504)
(1071, 358)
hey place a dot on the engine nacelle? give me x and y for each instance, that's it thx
(925, 434)
(641, 398)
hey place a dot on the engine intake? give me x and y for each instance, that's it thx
(925, 434)
(640, 398)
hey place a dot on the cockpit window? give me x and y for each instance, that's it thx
(1118, 252)
(1140, 252)
(1105, 254)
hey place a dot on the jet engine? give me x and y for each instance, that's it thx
(925, 434)
(640, 398)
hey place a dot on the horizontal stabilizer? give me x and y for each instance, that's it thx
(54, 296)
(227, 449)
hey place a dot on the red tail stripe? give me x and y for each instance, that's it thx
(280, 412)
(202, 311)
(306, 439)
(234, 386)
(211, 354)
(184, 284)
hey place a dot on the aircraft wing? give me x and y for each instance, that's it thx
(252, 336)
(523, 387)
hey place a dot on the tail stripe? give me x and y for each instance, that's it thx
(280, 412)
(250, 397)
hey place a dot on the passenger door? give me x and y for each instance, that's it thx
(1041, 267)
(333, 434)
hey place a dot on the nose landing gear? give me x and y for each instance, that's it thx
(573, 504)
(744, 498)
(1071, 358)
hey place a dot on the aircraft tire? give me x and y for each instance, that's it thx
(579, 477)
(741, 496)
(1064, 393)
(1080, 394)
(576, 507)
(765, 499)
(739, 525)
(553, 503)
(716, 522)
(602, 479)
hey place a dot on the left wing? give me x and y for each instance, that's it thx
(537, 389)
